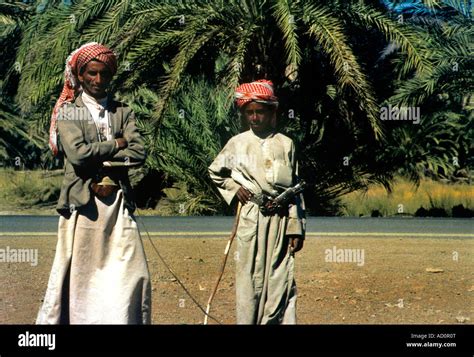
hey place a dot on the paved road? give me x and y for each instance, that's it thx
(188, 226)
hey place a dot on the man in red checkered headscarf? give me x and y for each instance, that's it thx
(75, 65)
(262, 165)
(99, 274)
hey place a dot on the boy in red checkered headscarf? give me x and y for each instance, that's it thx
(262, 164)
(99, 274)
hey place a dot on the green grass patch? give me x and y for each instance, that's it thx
(33, 192)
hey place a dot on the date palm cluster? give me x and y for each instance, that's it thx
(334, 64)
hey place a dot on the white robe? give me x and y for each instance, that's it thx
(99, 273)
(265, 285)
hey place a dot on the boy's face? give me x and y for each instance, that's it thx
(259, 117)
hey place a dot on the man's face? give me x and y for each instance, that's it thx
(259, 116)
(95, 79)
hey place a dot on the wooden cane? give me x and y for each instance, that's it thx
(224, 261)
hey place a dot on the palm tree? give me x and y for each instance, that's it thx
(440, 145)
(253, 38)
(19, 146)
(450, 30)
(324, 58)
(193, 130)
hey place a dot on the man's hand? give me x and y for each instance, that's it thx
(102, 191)
(296, 243)
(243, 195)
(122, 143)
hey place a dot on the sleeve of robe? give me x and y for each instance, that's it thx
(297, 217)
(78, 151)
(134, 154)
(226, 185)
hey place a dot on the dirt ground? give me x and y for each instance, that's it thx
(393, 286)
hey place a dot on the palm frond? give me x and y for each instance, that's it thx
(231, 73)
(410, 41)
(188, 49)
(328, 32)
(287, 23)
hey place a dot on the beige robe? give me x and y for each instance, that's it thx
(99, 273)
(265, 285)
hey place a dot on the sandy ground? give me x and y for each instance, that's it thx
(393, 285)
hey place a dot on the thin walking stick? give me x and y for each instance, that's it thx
(224, 261)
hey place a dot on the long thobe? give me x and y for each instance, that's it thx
(99, 274)
(265, 284)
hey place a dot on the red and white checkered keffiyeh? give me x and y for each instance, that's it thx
(75, 61)
(260, 91)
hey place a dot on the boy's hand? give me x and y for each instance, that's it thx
(296, 243)
(243, 195)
